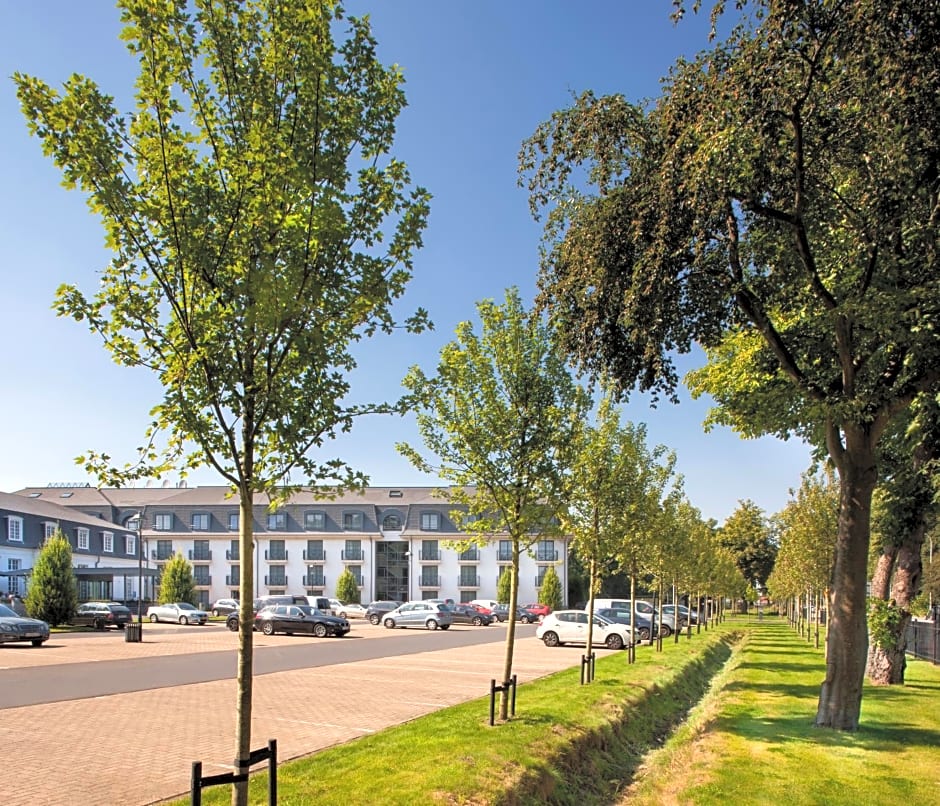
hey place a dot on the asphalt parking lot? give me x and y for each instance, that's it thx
(142, 743)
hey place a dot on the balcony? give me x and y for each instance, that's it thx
(315, 556)
(200, 555)
(504, 556)
(468, 582)
(430, 556)
(352, 555)
(232, 581)
(275, 581)
(539, 581)
(429, 582)
(232, 554)
(469, 556)
(161, 554)
(546, 557)
(314, 581)
(203, 582)
(276, 555)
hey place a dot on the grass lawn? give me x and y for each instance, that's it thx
(749, 739)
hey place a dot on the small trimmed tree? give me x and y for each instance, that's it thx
(53, 594)
(347, 589)
(504, 585)
(176, 583)
(550, 592)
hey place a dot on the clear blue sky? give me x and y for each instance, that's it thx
(481, 76)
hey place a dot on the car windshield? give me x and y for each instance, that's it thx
(7, 612)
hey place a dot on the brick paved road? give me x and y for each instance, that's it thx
(172, 727)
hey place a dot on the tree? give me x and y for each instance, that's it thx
(550, 592)
(176, 581)
(783, 187)
(501, 417)
(747, 535)
(347, 589)
(53, 593)
(258, 226)
(504, 584)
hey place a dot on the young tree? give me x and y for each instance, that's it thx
(53, 593)
(176, 581)
(747, 535)
(259, 227)
(346, 588)
(504, 584)
(550, 593)
(785, 187)
(501, 417)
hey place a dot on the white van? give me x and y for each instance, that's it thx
(489, 604)
(642, 608)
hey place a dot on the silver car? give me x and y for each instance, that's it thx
(179, 612)
(14, 627)
(429, 615)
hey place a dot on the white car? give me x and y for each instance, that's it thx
(178, 612)
(571, 627)
(351, 610)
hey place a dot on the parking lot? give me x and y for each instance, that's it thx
(138, 747)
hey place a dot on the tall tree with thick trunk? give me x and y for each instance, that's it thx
(259, 227)
(785, 187)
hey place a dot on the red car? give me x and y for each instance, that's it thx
(537, 610)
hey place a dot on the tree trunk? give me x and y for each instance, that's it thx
(632, 657)
(245, 671)
(840, 699)
(510, 632)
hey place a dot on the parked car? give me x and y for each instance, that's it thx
(468, 614)
(177, 612)
(102, 615)
(377, 609)
(349, 610)
(667, 625)
(299, 618)
(488, 604)
(231, 621)
(429, 615)
(501, 612)
(14, 627)
(571, 627)
(644, 627)
(321, 603)
(222, 607)
(537, 610)
(679, 614)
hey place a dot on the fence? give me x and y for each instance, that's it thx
(923, 640)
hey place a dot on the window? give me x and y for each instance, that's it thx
(471, 555)
(48, 530)
(468, 576)
(314, 578)
(277, 576)
(233, 521)
(200, 522)
(163, 522)
(429, 551)
(277, 521)
(15, 529)
(314, 551)
(429, 577)
(107, 542)
(315, 521)
(201, 551)
(391, 522)
(130, 545)
(276, 552)
(545, 552)
(164, 550)
(430, 521)
(13, 582)
(233, 552)
(356, 571)
(541, 576)
(233, 577)
(353, 551)
(352, 520)
(504, 554)
(81, 538)
(201, 575)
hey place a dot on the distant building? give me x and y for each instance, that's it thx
(394, 540)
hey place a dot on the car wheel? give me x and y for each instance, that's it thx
(374, 619)
(666, 630)
(431, 625)
(614, 642)
(644, 634)
(154, 619)
(268, 628)
(477, 622)
(184, 620)
(526, 620)
(319, 630)
(232, 624)
(36, 642)
(551, 639)
(389, 623)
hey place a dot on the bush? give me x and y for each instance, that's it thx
(53, 593)
(347, 591)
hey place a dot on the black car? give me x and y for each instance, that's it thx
(376, 610)
(299, 618)
(102, 615)
(231, 620)
(465, 614)
(644, 627)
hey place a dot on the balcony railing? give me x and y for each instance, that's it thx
(504, 556)
(546, 557)
(232, 554)
(232, 581)
(314, 581)
(539, 581)
(468, 582)
(200, 555)
(202, 582)
(469, 556)
(433, 556)
(161, 554)
(429, 582)
(275, 582)
(276, 555)
(352, 555)
(315, 556)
